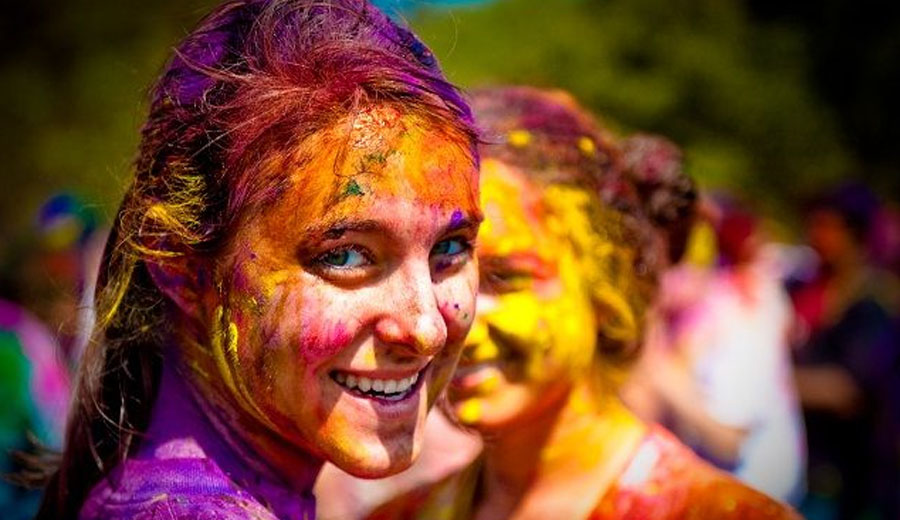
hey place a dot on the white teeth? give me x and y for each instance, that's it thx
(393, 389)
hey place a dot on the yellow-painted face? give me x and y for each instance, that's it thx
(535, 327)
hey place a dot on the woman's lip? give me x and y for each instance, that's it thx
(473, 376)
(380, 373)
(465, 363)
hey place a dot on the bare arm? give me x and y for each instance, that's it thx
(679, 392)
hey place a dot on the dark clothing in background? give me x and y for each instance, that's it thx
(854, 458)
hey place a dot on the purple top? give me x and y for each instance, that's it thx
(185, 469)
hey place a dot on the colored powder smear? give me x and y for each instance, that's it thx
(470, 412)
(353, 189)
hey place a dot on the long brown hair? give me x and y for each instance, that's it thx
(253, 79)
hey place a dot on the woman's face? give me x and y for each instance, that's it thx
(535, 328)
(341, 310)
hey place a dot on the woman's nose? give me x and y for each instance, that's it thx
(414, 321)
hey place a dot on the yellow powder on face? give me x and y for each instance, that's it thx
(478, 335)
(483, 350)
(218, 351)
(519, 138)
(557, 322)
(488, 384)
(509, 225)
(605, 268)
(224, 346)
(551, 320)
(470, 411)
(376, 127)
(587, 146)
(270, 281)
(390, 154)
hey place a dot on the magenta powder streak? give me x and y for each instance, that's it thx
(185, 469)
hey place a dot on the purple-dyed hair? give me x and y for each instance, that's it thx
(253, 81)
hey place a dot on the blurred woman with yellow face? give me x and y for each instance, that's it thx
(568, 264)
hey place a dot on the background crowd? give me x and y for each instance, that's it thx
(774, 349)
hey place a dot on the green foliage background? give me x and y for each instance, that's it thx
(73, 78)
(734, 93)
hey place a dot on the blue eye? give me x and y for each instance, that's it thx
(450, 246)
(343, 259)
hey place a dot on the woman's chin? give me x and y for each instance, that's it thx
(376, 460)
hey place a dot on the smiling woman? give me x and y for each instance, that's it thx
(568, 262)
(290, 276)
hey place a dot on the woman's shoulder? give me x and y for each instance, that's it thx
(666, 480)
(169, 489)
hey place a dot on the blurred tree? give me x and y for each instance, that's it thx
(854, 50)
(734, 94)
(73, 75)
(730, 81)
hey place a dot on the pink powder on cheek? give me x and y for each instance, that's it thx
(321, 339)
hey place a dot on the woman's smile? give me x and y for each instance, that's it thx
(380, 385)
(346, 308)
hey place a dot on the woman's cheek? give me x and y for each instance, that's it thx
(322, 331)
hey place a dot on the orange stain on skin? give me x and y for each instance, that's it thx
(362, 149)
(283, 320)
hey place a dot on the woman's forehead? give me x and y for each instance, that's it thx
(514, 211)
(378, 155)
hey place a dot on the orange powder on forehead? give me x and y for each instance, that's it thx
(380, 152)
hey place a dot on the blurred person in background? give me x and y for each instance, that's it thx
(721, 365)
(34, 392)
(52, 271)
(715, 366)
(672, 201)
(847, 363)
(44, 278)
(568, 263)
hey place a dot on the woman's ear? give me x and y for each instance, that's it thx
(183, 278)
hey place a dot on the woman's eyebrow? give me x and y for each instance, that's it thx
(336, 229)
(458, 221)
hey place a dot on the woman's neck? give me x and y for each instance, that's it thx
(183, 425)
(560, 464)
